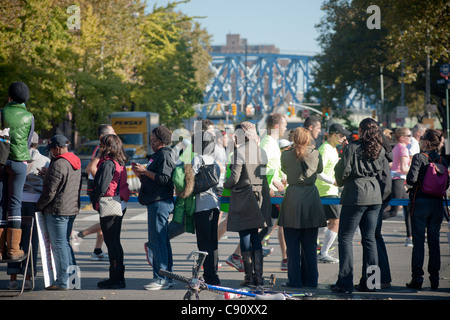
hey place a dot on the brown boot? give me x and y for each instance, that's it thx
(13, 237)
(2, 243)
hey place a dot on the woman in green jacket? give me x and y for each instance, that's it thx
(13, 174)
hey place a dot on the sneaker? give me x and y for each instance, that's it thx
(75, 241)
(408, 242)
(235, 261)
(326, 259)
(267, 251)
(148, 253)
(284, 266)
(157, 285)
(99, 257)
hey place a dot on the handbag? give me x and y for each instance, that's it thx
(206, 178)
(111, 206)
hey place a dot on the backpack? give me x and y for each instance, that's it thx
(435, 180)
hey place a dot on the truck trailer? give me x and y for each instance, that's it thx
(134, 130)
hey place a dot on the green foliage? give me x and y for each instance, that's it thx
(353, 55)
(122, 58)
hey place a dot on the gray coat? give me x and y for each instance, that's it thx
(62, 185)
(248, 174)
(301, 206)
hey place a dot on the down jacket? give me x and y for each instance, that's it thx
(62, 185)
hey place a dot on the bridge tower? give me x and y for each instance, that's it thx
(260, 80)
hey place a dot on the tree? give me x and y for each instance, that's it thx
(354, 55)
(169, 75)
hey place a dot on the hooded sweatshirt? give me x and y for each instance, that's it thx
(62, 185)
(33, 184)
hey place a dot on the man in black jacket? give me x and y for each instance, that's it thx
(157, 194)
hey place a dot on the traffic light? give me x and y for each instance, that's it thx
(219, 107)
(233, 109)
(291, 111)
(326, 112)
(374, 114)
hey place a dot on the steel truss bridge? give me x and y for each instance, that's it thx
(263, 81)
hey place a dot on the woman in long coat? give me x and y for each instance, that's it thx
(250, 205)
(301, 212)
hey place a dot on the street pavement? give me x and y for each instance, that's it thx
(138, 272)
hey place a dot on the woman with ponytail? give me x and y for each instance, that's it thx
(301, 213)
(359, 171)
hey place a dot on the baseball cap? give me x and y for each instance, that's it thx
(58, 141)
(35, 138)
(284, 143)
(338, 128)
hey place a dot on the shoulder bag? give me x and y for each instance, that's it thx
(111, 206)
(206, 178)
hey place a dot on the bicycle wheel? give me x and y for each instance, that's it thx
(165, 273)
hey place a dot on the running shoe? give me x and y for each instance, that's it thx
(235, 261)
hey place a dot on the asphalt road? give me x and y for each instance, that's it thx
(139, 273)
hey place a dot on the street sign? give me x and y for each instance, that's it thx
(445, 70)
(402, 112)
(305, 113)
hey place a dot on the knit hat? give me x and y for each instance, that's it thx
(19, 92)
(250, 130)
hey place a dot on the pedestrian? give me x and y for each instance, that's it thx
(358, 171)
(276, 125)
(417, 132)
(157, 194)
(399, 168)
(427, 212)
(78, 236)
(327, 186)
(301, 213)
(207, 207)
(385, 181)
(31, 192)
(250, 206)
(110, 180)
(313, 125)
(60, 203)
(14, 116)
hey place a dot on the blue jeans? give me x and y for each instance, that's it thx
(383, 259)
(158, 236)
(427, 217)
(301, 249)
(352, 216)
(249, 240)
(12, 180)
(59, 230)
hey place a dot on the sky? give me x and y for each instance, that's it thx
(287, 24)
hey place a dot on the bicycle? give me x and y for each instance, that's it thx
(197, 284)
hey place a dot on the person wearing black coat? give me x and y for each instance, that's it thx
(157, 194)
(359, 171)
(427, 211)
